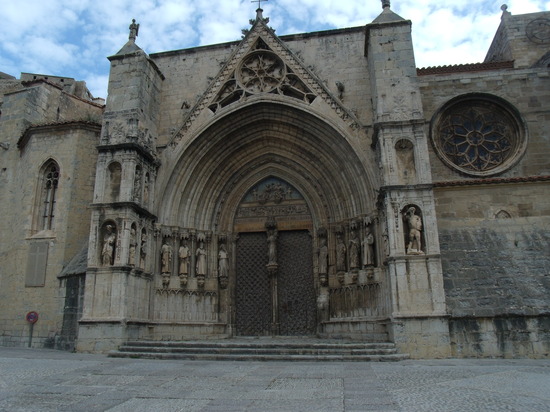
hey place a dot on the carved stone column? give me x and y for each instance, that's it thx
(272, 268)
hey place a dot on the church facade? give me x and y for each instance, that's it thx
(316, 184)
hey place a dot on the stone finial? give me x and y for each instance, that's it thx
(505, 12)
(385, 4)
(134, 29)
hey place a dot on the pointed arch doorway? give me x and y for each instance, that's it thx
(274, 288)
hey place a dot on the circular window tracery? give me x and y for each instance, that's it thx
(478, 135)
(261, 71)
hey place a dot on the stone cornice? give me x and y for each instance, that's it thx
(59, 126)
(494, 180)
(121, 205)
(129, 146)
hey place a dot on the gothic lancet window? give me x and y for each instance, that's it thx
(50, 185)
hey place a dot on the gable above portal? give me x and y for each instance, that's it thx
(262, 66)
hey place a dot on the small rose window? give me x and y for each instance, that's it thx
(478, 135)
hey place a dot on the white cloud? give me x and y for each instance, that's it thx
(73, 38)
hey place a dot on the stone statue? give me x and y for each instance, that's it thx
(146, 189)
(184, 256)
(137, 185)
(415, 232)
(134, 29)
(340, 255)
(223, 262)
(133, 246)
(201, 260)
(323, 256)
(272, 247)
(368, 248)
(166, 258)
(354, 246)
(109, 243)
(143, 250)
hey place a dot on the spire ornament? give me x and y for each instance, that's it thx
(385, 4)
(259, 3)
(134, 29)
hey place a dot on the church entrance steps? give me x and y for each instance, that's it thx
(262, 349)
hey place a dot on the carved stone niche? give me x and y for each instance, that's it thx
(109, 243)
(406, 168)
(414, 244)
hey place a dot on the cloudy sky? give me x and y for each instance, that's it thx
(72, 38)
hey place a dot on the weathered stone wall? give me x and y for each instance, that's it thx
(496, 268)
(512, 41)
(189, 72)
(71, 143)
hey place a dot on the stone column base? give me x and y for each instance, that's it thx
(421, 337)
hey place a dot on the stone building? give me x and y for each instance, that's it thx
(316, 184)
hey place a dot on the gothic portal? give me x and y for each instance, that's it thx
(316, 184)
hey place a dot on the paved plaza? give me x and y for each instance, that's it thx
(48, 380)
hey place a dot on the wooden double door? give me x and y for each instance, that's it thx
(280, 303)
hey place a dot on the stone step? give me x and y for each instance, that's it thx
(262, 344)
(261, 350)
(255, 357)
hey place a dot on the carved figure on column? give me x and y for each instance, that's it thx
(200, 265)
(109, 246)
(184, 256)
(143, 249)
(133, 246)
(340, 258)
(368, 247)
(272, 246)
(223, 266)
(137, 184)
(414, 221)
(166, 263)
(323, 261)
(146, 190)
(354, 245)
(340, 254)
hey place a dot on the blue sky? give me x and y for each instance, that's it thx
(73, 38)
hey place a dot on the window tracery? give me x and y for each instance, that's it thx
(49, 190)
(261, 71)
(478, 136)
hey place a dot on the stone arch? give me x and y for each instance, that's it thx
(216, 168)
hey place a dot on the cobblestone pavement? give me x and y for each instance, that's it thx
(47, 380)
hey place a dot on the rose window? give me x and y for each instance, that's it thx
(477, 136)
(261, 72)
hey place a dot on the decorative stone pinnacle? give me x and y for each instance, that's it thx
(259, 15)
(134, 29)
(505, 12)
(385, 4)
